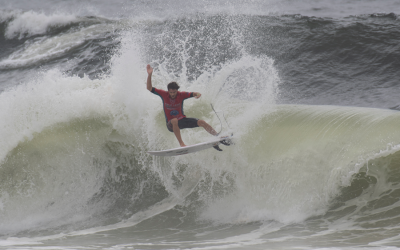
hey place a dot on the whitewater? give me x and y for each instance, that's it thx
(309, 90)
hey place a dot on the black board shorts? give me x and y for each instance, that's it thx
(184, 123)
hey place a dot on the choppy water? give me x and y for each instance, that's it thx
(309, 88)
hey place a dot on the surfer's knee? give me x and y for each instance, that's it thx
(201, 123)
(174, 122)
(171, 124)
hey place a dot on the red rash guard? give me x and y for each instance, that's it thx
(173, 108)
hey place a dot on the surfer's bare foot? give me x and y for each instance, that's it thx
(182, 144)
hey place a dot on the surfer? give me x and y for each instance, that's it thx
(173, 108)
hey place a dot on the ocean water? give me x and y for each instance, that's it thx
(309, 88)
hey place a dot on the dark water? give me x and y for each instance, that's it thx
(310, 90)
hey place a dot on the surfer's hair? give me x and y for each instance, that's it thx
(173, 85)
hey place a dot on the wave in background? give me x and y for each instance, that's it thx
(76, 45)
(318, 58)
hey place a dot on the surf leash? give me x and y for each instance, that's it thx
(220, 118)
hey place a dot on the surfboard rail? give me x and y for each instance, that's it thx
(191, 148)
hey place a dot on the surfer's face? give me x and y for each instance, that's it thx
(172, 93)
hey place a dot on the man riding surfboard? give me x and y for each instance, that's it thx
(173, 108)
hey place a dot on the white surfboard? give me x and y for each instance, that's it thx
(189, 149)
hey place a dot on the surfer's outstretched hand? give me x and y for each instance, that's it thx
(149, 69)
(197, 95)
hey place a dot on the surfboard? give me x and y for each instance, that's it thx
(190, 149)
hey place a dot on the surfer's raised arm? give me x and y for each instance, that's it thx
(149, 72)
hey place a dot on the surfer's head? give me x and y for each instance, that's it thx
(173, 89)
(173, 85)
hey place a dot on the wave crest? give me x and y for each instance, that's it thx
(32, 23)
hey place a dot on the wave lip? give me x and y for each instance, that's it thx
(55, 45)
(32, 23)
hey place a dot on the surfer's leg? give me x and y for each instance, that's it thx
(207, 127)
(177, 131)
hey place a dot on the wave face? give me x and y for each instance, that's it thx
(311, 98)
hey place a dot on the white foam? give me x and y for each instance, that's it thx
(33, 23)
(47, 48)
(49, 99)
(14, 241)
(28, 109)
(6, 15)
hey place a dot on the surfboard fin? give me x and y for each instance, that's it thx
(217, 148)
(226, 141)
